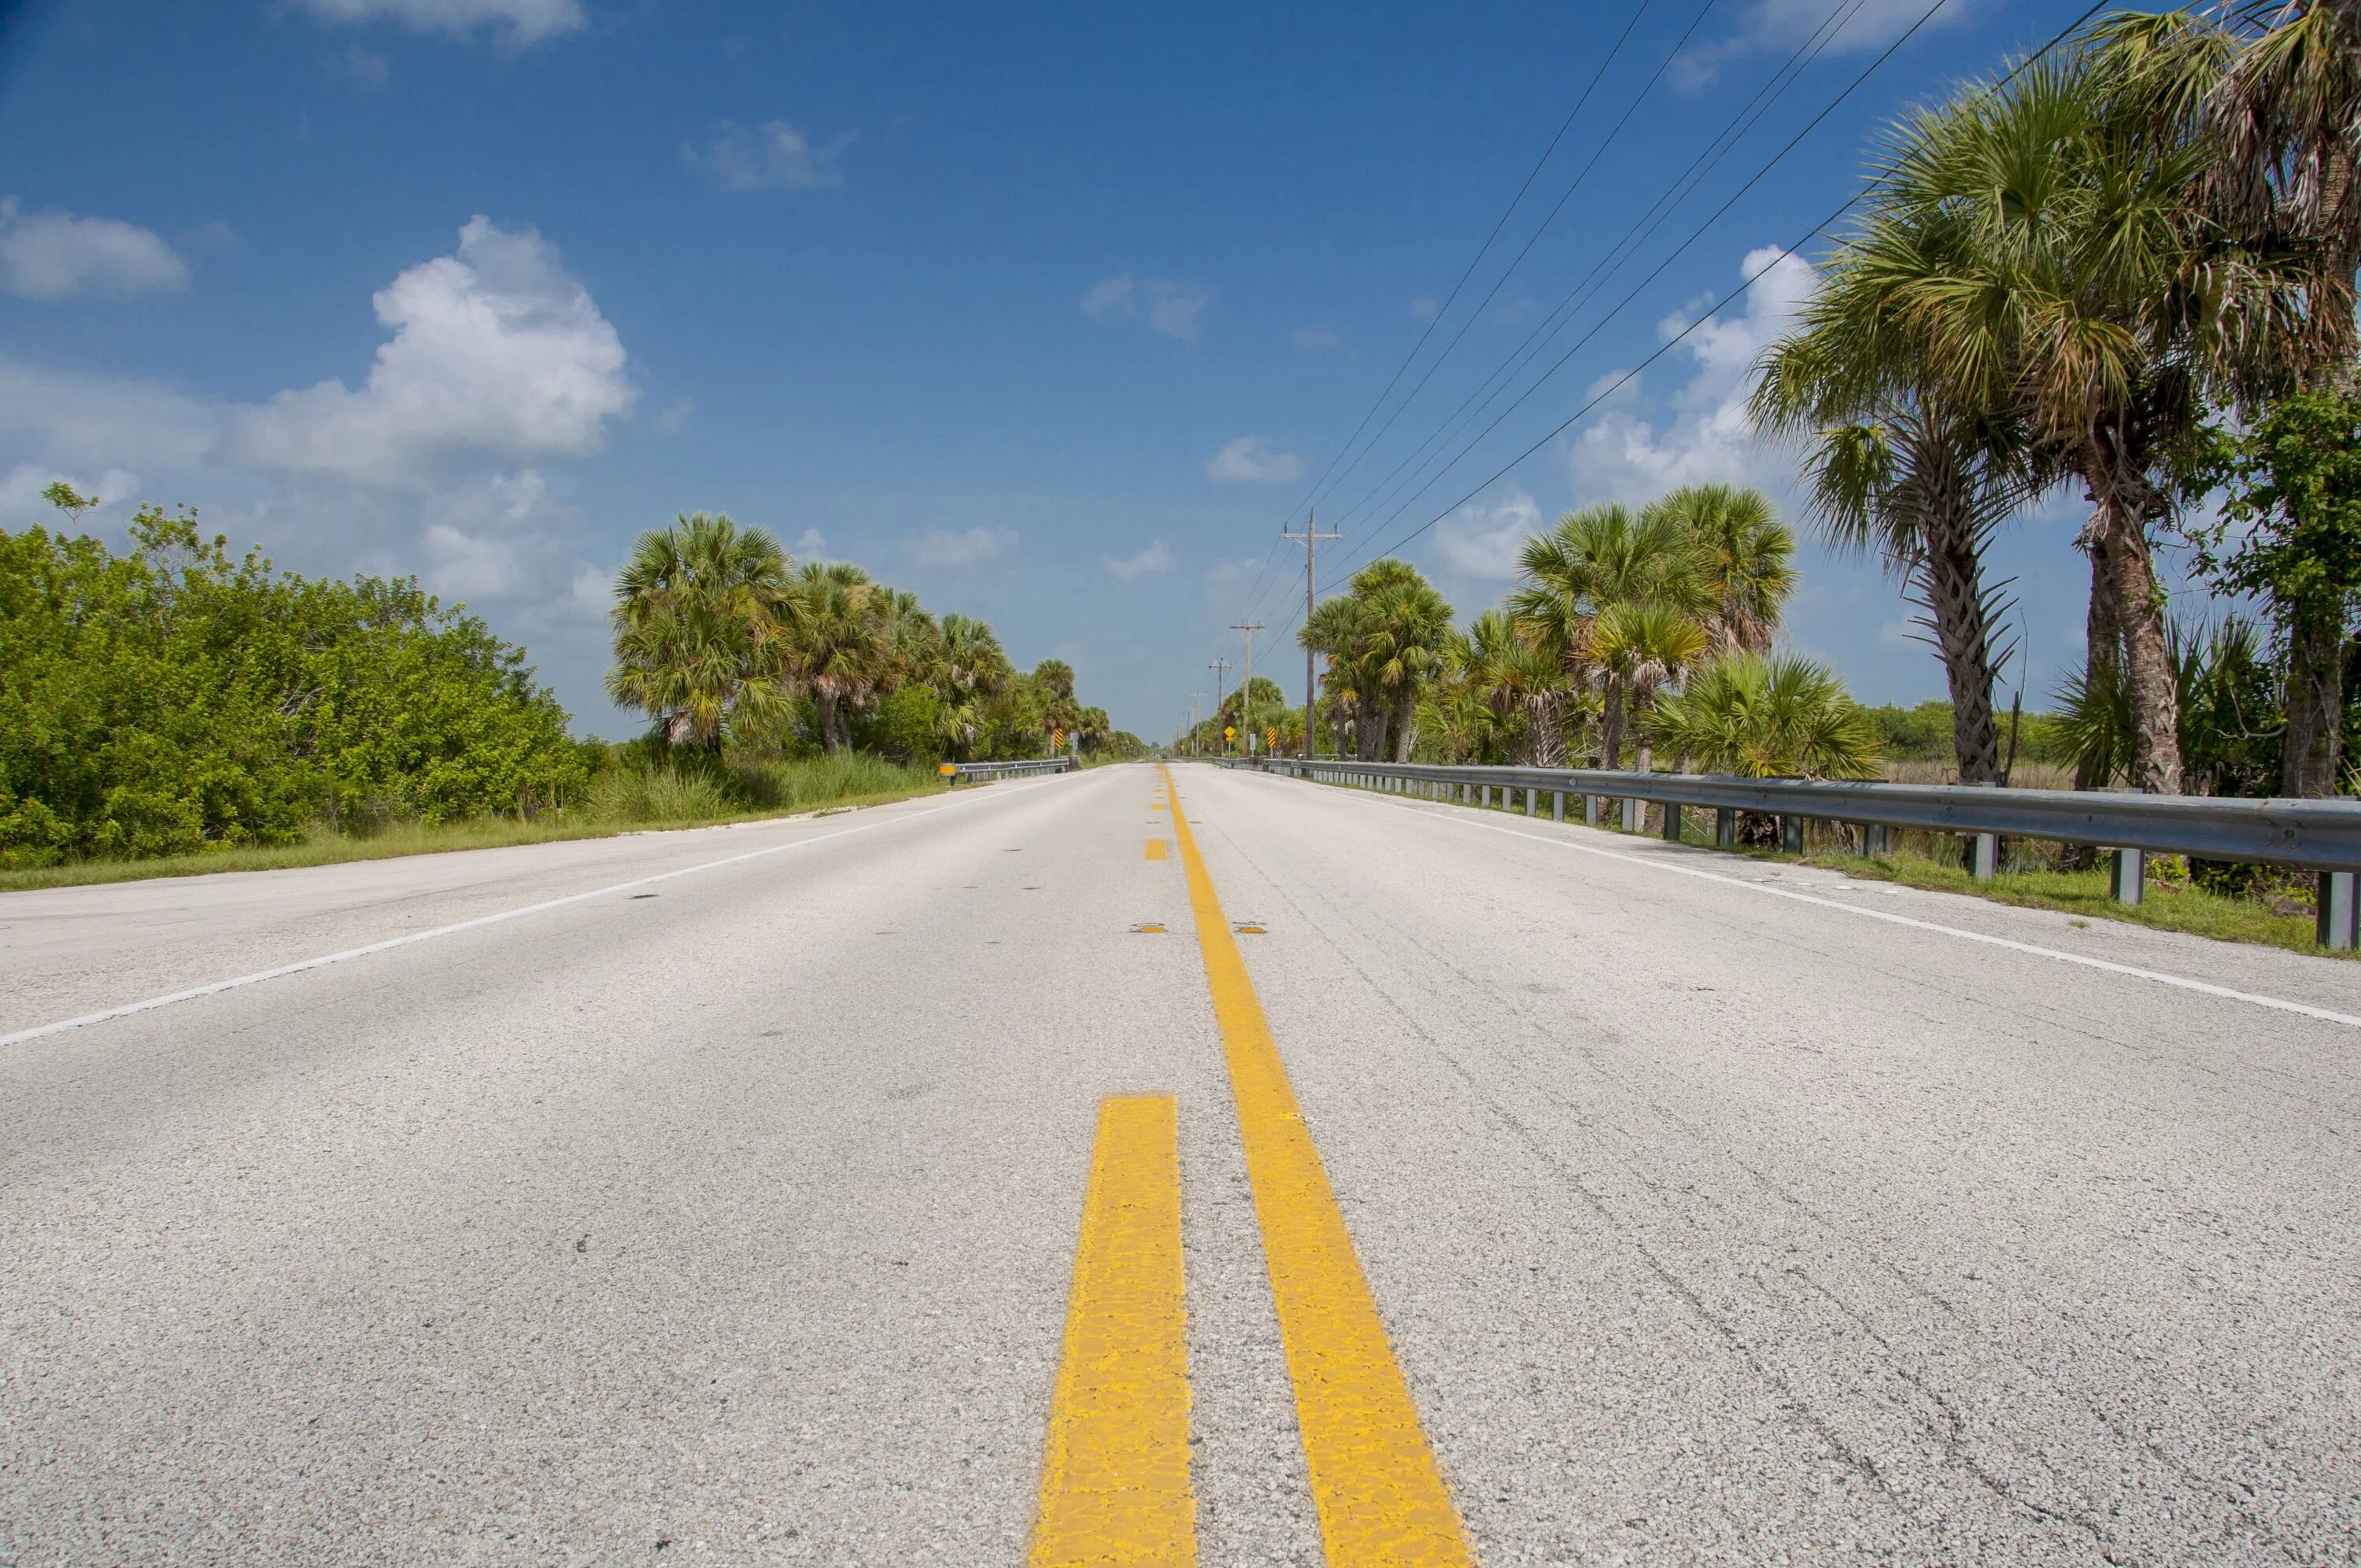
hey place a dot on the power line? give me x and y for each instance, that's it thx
(1708, 157)
(1312, 497)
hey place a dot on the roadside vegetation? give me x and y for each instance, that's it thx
(2125, 272)
(175, 709)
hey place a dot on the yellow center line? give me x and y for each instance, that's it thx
(1115, 1478)
(1380, 1494)
(1156, 849)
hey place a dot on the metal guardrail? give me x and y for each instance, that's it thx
(2322, 836)
(957, 773)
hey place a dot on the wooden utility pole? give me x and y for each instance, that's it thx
(1220, 667)
(1311, 536)
(1194, 699)
(1245, 691)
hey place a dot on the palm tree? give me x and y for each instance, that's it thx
(972, 670)
(704, 619)
(1747, 558)
(1403, 621)
(1642, 647)
(1901, 460)
(1592, 560)
(1781, 716)
(1332, 631)
(2271, 93)
(847, 641)
(2082, 297)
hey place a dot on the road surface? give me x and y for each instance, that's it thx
(786, 1193)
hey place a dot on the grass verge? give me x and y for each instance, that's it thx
(412, 838)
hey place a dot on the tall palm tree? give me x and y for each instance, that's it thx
(1403, 621)
(1332, 631)
(2084, 298)
(1594, 559)
(704, 619)
(2269, 91)
(1905, 458)
(1747, 557)
(846, 643)
(1644, 647)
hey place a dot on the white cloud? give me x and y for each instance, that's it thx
(1155, 559)
(1701, 433)
(54, 255)
(1172, 308)
(945, 551)
(1782, 25)
(495, 351)
(1482, 542)
(514, 22)
(810, 542)
(773, 156)
(1249, 460)
(592, 590)
(98, 420)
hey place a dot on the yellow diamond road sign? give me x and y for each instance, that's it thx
(1229, 731)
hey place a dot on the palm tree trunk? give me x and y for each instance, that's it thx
(2102, 655)
(1544, 735)
(1405, 723)
(1610, 724)
(1953, 575)
(2315, 705)
(2148, 665)
(825, 700)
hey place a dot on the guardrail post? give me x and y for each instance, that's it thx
(1791, 835)
(1984, 857)
(1873, 838)
(1672, 822)
(1488, 798)
(1557, 806)
(1725, 828)
(1633, 806)
(2127, 877)
(1532, 802)
(1590, 811)
(2340, 923)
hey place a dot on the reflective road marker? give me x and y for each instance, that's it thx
(1114, 1479)
(1380, 1494)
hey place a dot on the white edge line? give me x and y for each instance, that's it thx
(1650, 862)
(22, 1036)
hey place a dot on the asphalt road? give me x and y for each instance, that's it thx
(724, 1204)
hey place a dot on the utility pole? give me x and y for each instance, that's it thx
(1246, 700)
(1194, 699)
(1311, 536)
(1220, 667)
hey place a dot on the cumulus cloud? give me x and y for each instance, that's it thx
(1701, 432)
(74, 419)
(55, 255)
(1781, 25)
(495, 352)
(773, 156)
(1249, 460)
(945, 550)
(810, 542)
(516, 23)
(1480, 540)
(1155, 559)
(1164, 306)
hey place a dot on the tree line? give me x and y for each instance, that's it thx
(1627, 634)
(724, 642)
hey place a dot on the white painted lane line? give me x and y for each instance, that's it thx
(151, 1004)
(1650, 862)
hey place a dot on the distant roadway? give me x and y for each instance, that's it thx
(1104, 1170)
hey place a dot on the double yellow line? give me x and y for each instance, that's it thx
(1115, 1483)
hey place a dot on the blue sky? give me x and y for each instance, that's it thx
(1052, 314)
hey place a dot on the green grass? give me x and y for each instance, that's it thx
(628, 804)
